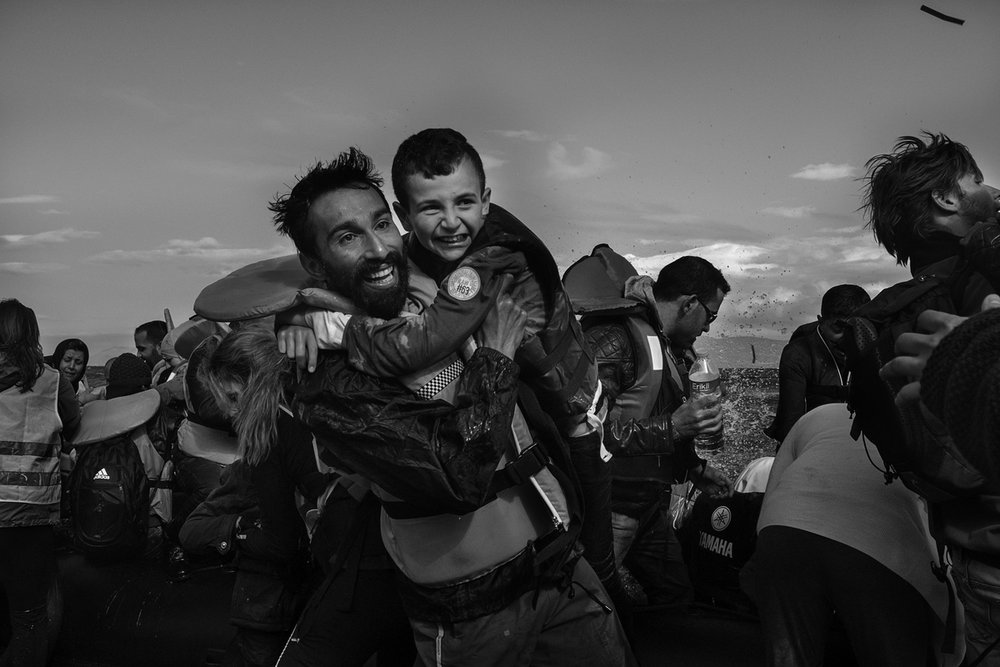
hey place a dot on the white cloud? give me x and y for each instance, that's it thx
(28, 268)
(53, 211)
(769, 295)
(53, 236)
(491, 162)
(561, 167)
(205, 249)
(137, 99)
(672, 217)
(525, 135)
(30, 199)
(793, 212)
(826, 171)
(236, 171)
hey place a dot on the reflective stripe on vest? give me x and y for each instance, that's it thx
(639, 400)
(29, 451)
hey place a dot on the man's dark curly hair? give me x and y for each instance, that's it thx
(897, 189)
(432, 152)
(351, 169)
(689, 275)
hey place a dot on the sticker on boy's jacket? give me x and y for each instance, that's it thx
(463, 283)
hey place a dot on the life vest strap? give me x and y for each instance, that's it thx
(529, 462)
(549, 361)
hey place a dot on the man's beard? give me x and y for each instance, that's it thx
(382, 303)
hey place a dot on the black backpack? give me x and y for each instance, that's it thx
(109, 500)
(910, 446)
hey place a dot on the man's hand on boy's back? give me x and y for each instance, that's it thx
(503, 327)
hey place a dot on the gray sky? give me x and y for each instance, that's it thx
(141, 141)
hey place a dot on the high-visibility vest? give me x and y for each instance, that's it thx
(30, 485)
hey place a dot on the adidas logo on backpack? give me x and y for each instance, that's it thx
(102, 474)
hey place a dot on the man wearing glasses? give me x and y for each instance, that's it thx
(644, 347)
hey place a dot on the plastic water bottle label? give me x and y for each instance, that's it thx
(711, 386)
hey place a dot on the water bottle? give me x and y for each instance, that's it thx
(704, 378)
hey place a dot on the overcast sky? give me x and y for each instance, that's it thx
(140, 142)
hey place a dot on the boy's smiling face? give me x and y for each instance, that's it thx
(445, 212)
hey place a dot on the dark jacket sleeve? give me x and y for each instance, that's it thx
(793, 376)
(278, 533)
(389, 348)
(211, 527)
(69, 408)
(437, 457)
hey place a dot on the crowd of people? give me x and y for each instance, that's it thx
(433, 448)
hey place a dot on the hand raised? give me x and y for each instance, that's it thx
(503, 327)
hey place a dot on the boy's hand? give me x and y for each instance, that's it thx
(701, 414)
(503, 328)
(299, 343)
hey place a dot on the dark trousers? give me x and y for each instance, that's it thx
(648, 547)
(801, 579)
(332, 633)
(27, 572)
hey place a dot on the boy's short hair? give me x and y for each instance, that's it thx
(432, 152)
(842, 300)
(898, 186)
(351, 169)
(689, 275)
(154, 330)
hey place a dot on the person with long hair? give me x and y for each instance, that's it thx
(254, 515)
(37, 403)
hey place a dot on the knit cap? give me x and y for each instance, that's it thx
(128, 375)
(961, 386)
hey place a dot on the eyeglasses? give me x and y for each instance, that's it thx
(709, 315)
